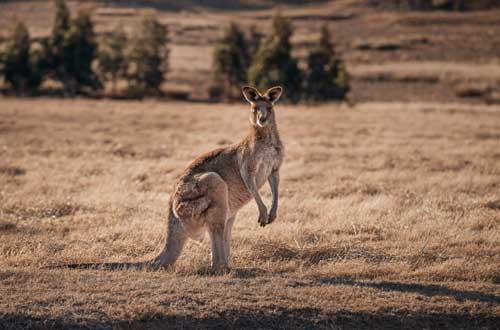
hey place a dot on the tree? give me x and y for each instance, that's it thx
(53, 47)
(79, 50)
(21, 65)
(274, 65)
(149, 57)
(112, 63)
(231, 61)
(326, 77)
(61, 21)
(254, 41)
(70, 50)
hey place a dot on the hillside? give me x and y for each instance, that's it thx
(393, 55)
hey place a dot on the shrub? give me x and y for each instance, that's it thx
(215, 91)
(326, 78)
(112, 64)
(471, 89)
(231, 60)
(274, 65)
(21, 65)
(450, 4)
(149, 58)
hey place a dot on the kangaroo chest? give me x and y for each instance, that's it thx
(267, 160)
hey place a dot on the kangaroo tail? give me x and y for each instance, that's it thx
(174, 241)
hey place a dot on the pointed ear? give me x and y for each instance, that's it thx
(251, 94)
(274, 93)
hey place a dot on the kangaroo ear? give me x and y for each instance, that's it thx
(274, 93)
(251, 94)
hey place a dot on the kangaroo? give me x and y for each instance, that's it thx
(216, 185)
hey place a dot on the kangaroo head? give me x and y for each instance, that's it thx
(261, 105)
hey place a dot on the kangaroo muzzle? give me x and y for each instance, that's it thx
(261, 120)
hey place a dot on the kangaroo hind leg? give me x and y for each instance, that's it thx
(227, 236)
(215, 218)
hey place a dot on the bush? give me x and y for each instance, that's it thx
(215, 91)
(21, 65)
(274, 65)
(231, 60)
(112, 64)
(472, 90)
(326, 78)
(149, 58)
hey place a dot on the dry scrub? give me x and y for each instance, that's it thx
(389, 218)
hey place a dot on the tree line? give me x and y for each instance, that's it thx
(83, 63)
(324, 78)
(73, 56)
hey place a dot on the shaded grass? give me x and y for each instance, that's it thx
(285, 318)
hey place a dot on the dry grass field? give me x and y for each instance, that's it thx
(389, 218)
(389, 208)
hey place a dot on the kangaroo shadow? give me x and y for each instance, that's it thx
(429, 290)
(111, 266)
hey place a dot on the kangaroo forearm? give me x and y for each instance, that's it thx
(252, 188)
(274, 205)
(255, 193)
(274, 182)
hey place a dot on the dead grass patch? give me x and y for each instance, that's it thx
(493, 205)
(7, 226)
(391, 44)
(56, 210)
(276, 251)
(12, 170)
(486, 223)
(472, 89)
(488, 136)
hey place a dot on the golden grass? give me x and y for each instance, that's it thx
(389, 217)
